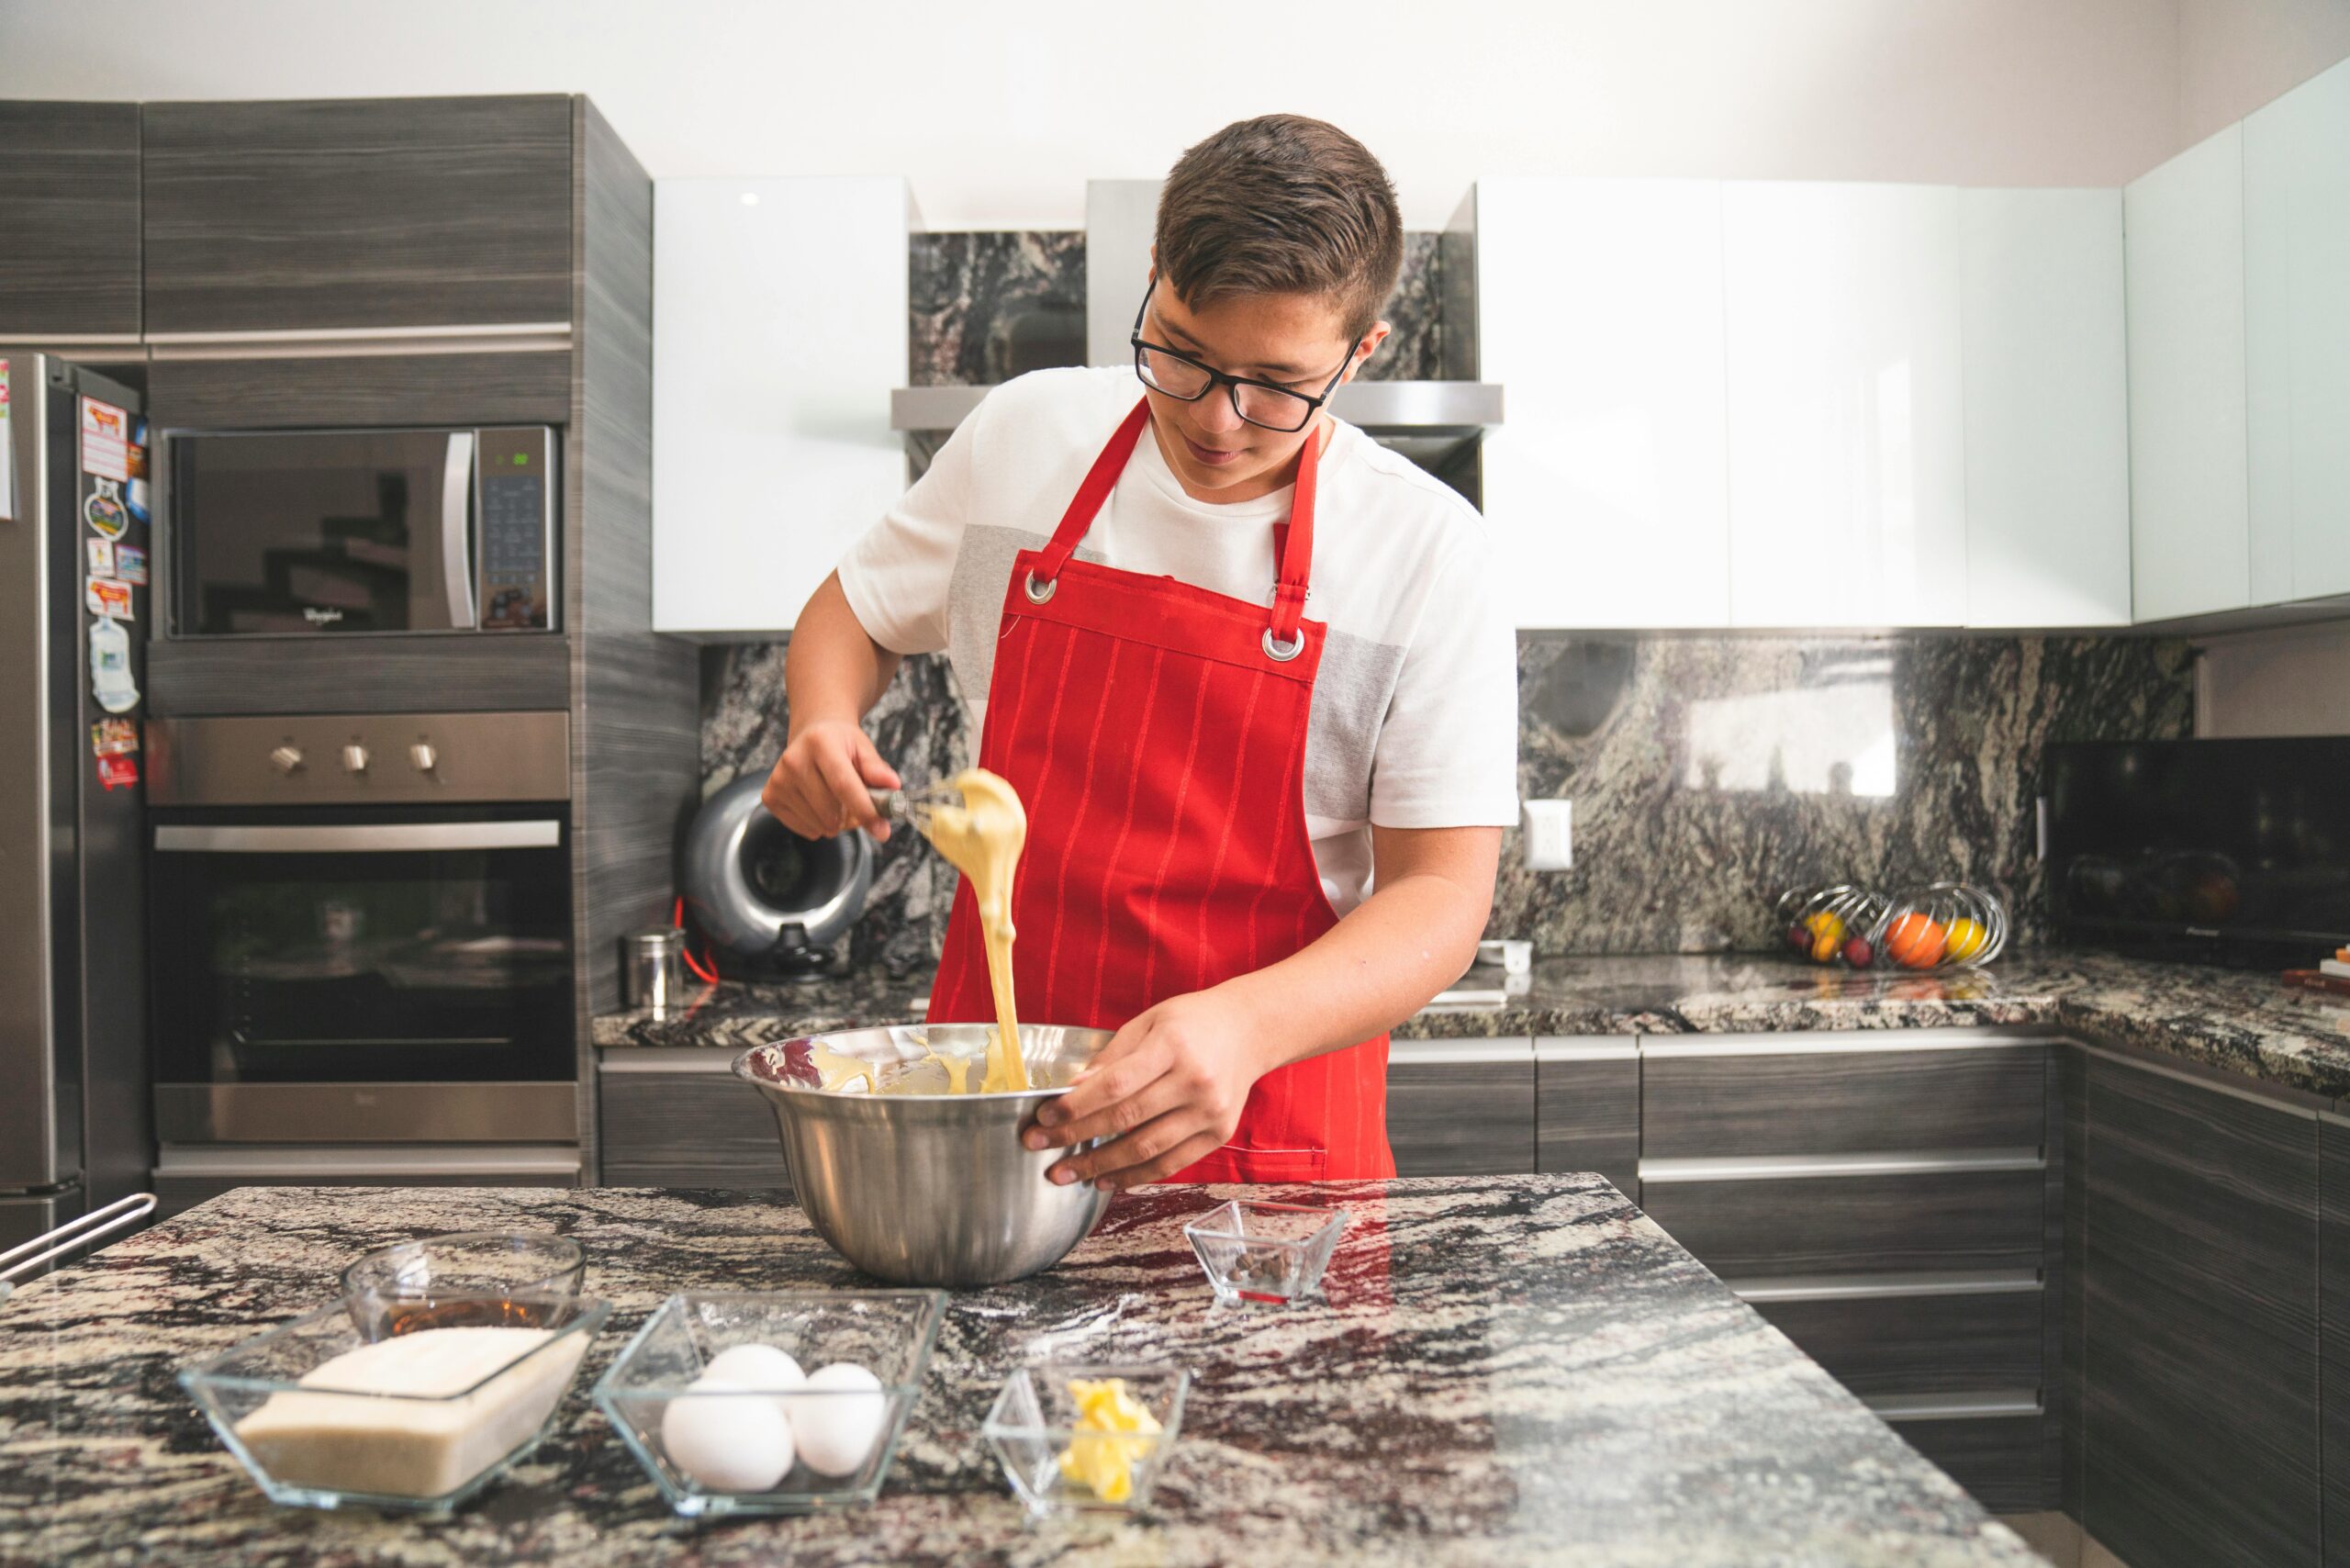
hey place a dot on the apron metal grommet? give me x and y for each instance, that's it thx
(1281, 653)
(1038, 594)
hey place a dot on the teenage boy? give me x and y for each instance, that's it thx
(1258, 660)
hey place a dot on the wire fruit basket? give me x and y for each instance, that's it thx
(1941, 925)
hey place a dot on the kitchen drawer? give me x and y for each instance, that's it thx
(1995, 1458)
(283, 216)
(696, 1126)
(1588, 1108)
(1976, 1216)
(1851, 1093)
(1877, 1345)
(1461, 1107)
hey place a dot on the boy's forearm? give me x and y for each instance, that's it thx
(1410, 938)
(833, 671)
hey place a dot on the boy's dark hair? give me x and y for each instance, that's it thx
(1282, 204)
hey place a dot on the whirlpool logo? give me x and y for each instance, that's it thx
(318, 617)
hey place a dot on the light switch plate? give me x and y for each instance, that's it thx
(1550, 834)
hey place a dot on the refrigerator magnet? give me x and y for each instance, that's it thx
(134, 495)
(129, 563)
(117, 772)
(7, 452)
(101, 556)
(105, 596)
(103, 510)
(114, 737)
(106, 440)
(111, 682)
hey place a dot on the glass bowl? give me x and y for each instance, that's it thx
(887, 1332)
(316, 1431)
(1265, 1252)
(1055, 1464)
(536, 1262)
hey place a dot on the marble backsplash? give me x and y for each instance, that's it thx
(989, 306)
(1706, 773)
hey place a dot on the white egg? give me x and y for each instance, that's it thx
(838, 1420)
(757, 1366)
(726, 1440)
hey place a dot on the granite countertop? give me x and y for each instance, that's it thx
(2242, 1021)
(1506, 1370)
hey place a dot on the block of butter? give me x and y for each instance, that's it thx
(340, 1432)
(1113, 1432)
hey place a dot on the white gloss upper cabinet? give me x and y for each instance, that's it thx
(2297, 340)
(1600, 308)
(1846, 443)
(779, 323)
(2047, 432)
(2183, 247)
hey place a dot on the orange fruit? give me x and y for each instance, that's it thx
(1915, 941)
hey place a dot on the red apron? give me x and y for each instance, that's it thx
(1155, 733)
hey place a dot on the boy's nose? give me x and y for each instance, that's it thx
(1215, 416)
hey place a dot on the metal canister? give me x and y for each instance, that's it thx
(653, 969)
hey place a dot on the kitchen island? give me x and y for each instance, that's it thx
(1505, 1369)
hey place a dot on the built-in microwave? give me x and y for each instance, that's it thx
(275, 533)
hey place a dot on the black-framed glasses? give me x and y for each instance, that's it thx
(1265, 403)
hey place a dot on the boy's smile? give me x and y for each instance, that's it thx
(1292, 340)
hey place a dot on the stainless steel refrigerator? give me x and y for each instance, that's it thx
(74, 606)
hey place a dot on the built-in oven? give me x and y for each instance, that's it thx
(360, 930)
(323, 531)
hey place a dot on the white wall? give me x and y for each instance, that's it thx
(998, 113)
(2235, 55)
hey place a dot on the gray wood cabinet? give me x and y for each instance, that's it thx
(1461, 1107)
(1972, 1220)
(2200, 1439)
(1838, 1094)
(2333, 1335)
(68, 254)
(358, 213)
(1587, 1107)
(687, 1122)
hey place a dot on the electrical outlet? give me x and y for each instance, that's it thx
(1548, 826)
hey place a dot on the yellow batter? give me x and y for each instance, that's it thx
(982, 838)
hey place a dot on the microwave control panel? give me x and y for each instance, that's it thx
(513, 470)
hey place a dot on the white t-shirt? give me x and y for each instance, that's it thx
(1415, 714)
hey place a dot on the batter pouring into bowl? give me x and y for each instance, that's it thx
(1253, 686)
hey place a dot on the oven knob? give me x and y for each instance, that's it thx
(285, 758)
(354, 759)
(425, 757)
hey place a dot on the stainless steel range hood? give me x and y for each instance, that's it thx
(1435, 423)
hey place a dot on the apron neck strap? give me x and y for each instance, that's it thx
(1293, 543)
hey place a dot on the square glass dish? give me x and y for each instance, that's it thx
(1055, 1459)
(1265, 1252)
(534, 1263)
(410, 1413)
(707, 1458)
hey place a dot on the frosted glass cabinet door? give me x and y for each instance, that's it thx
(2296, 340)
(1599, 308)
(778, 330)
(2183, 250)
(2047, 419)
(1847, 463)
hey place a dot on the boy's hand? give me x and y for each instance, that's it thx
(1167, 1091)
(820, 785)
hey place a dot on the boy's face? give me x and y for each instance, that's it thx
(1292, 340)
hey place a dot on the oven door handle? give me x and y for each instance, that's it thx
(342, 838)
(456, 507)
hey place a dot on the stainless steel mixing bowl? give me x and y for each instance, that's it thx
(929, 1189)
